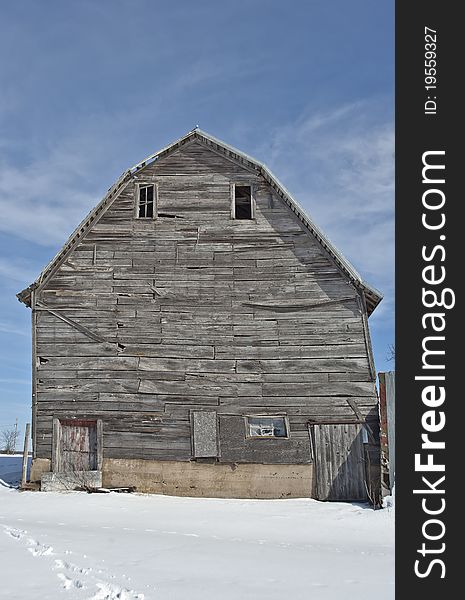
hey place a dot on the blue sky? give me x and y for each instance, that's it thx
(88, 88)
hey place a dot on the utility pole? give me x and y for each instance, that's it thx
(15, 436)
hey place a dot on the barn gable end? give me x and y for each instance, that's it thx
(142, 324)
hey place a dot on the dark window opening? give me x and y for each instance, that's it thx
(146, 201)
(242, 202)
(266, 427)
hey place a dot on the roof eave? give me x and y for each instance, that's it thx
(25, 295)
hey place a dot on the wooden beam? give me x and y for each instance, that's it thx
(99, 444)
(336, 421)
(355, 408)
(34, 372)
(366, 333)
(81, 328)
(282, 307)
(25, 455)
(55, 444)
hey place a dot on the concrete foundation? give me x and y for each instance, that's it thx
(176, 478)
(39, 466)
(59, 482)
(210, 480)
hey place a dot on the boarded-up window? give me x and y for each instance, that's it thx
(264, 426)
(77, 445)
(146, 201)
(205, 434)
(243, 202)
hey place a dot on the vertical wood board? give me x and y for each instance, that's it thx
(339, 461)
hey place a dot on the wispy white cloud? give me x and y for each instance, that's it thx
(12, 380)
(214, 70)
(50, 184)
(42, 201)
(65, 176)
(339, 164)
(9, 328)
(17, 270)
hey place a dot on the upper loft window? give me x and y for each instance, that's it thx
(146, 201)
(242, 202)
(262, 426)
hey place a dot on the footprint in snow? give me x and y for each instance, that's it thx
(61, 564)
(17, 534)
(111, 592)
(105, 590)
(37, 549)
(69, 583)
(34, 547)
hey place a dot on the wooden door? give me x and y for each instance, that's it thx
(339, 461)
(77, 446)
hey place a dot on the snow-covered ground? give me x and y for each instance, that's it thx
(129, 546)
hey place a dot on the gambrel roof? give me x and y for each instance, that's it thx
(372, 296)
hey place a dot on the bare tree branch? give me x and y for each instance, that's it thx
(9, 437)
(391, 353)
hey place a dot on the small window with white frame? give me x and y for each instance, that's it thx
(242, 202)
(146, 201)
(266, 427)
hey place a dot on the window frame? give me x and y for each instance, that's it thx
(232, 192)
(266, 437)
(137, 188)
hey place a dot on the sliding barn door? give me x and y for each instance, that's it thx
(339, 463)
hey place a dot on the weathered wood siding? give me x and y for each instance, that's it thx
(196, 311)
(339, 462)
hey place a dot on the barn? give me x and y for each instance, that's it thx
(199, 335)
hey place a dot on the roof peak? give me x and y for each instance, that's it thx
(372, 295)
